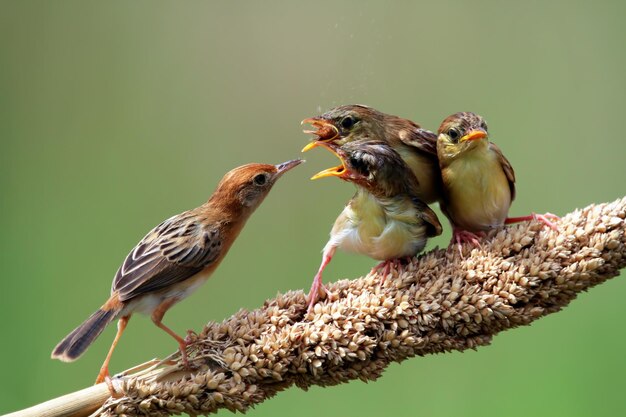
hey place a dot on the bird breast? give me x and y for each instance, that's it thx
(478, 196)
(381, 231)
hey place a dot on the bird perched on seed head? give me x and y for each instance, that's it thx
(175, 258)
(417, 146)
(478, 181)
(385, 219)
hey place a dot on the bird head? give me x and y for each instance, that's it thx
(460, 133)
(345, 124)
(373, 165)
(245, 187)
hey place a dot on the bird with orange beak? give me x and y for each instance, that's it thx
(385, 219)
(416, 146)
(175, 258)
(478, 181)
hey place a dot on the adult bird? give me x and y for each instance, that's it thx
(175, 258)
(417, 146)
(478, 180)
(385, 219)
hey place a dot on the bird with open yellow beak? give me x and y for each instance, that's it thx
(385, 219)
(417, 146)
(478, 181)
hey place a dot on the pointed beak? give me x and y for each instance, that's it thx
(310, 145)
(324, 130)
(473, 135)
(338, 171)
(286, 166)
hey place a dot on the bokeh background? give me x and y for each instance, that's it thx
(116, 115)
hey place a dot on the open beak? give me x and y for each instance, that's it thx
(324, 130)
(473, 135)
(286, 166)
(338, 171)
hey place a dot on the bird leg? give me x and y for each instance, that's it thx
(103, 376)
(317, 281)
(157, 316)
(543, 218)
(460, 236)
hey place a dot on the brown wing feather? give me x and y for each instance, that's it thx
(173, 251)
(427, 215)
(422, 139)
(506, 167)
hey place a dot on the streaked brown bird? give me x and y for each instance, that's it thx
(478, 181)
(417, 146)
(385, 219)
(175, 258)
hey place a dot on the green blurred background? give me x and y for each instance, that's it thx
(116, 115)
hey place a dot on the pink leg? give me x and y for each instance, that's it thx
(317, 281)
(460, 236)
(543, 218)
(385, 266)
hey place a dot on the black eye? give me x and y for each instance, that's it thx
(359, 165)
(483, 125)
(454, 134)
(260, 179)
(347, 122)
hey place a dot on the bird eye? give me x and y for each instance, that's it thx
(454, 134)
(359, 165)
(347, 122)
(483, 125)
(260, 179)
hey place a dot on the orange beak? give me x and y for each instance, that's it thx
(338, 171)
(473, 135)
(325, 131)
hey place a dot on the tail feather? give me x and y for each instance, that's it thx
(77, 342)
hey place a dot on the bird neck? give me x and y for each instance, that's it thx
(228, 207)
(478, 150)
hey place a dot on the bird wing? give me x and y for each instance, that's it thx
(170, 253)
(506, 167)
(422, 139)
(429, 217)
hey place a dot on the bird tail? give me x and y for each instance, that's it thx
(77, 342)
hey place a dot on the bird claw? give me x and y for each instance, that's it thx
(545, 219)
(191, 337)
(463, 236)
(386, 268)
(314, 293)
(114, 393)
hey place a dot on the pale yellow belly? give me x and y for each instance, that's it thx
(369, 231)
(478, 196)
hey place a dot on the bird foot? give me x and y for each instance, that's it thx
(387, 266)
(182, 347)
(315, 292)
(114, 393)
(191, 337)
(460, 236)
(546, 218)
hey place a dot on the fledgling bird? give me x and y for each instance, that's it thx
(385, 219)
(478, 181)
(417, 146)
(175, 258)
